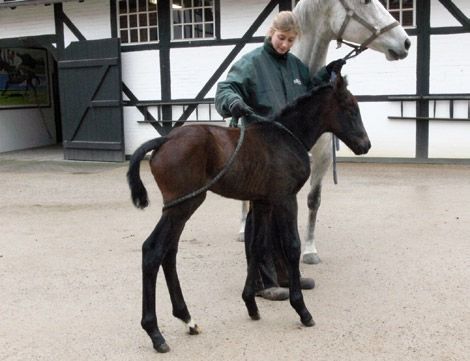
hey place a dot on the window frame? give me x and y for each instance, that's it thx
(138, 13)
(192, 22)
(400, 10)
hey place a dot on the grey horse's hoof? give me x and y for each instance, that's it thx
(311, 258)
(162, 348)
(194, 330)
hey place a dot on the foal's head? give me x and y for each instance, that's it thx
(343, 118)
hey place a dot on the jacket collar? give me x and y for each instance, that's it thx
(268, 46)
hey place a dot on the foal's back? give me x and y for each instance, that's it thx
(193, 155)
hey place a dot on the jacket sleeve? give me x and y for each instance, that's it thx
(237, 86)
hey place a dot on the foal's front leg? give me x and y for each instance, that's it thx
(285, 216)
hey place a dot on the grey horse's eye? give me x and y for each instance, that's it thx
(366, 1)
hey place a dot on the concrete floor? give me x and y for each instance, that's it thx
(394, 282)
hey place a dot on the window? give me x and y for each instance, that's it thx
(138, 21)
(192, 19)
(402, 10)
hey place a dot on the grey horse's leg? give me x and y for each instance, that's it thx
(245, 208)
(320, 161)
(310, 255)
(163, 243)
(285, 217)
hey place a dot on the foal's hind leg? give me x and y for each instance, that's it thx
(163, 243)
(285, 217)
(180, 310)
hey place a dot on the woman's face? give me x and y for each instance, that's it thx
(282, 41)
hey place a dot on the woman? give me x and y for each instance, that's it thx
(260, 84)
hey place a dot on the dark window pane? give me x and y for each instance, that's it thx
(197, 3)
(177, 32)
(188, 16)
(132, 6)
(209, 30)
(153, 34)
(177, 17)
(152, 7)
(143, 5)
(188, 31)
(407, 18)
(396, 15)
(177, 3)
(198, 31)
(133, 20)
(384, 3)
(187, 3)
(124, 37)
(208, 16)
(407, 4)
(394, 4)
(208, 2)
(123, 7)
(143, 35)
(134, 36)
(143, 19)
(123, 21)
(198, 15)
(153, 19)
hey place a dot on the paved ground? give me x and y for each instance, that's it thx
(394, 283)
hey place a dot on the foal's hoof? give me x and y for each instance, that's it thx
(309, 322)
(194, 330)
(162, 348)
(311, 258)
(255, 316)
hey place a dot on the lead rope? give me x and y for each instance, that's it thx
(213, 180)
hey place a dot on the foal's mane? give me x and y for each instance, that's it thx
(307, 103)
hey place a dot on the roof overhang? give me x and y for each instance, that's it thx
(14, 4)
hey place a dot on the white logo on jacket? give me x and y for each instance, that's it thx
(297, 81)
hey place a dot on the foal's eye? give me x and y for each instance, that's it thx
(366, 1)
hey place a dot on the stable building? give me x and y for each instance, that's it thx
(99, 77)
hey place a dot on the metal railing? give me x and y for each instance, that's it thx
(434, 99)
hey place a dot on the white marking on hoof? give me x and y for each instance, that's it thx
(192, 328)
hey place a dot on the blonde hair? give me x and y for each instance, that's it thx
(284, 21)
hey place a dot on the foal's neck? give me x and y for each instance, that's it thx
(304, 117)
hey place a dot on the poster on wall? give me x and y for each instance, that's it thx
(24, 78)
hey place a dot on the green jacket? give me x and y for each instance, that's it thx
(266, 81)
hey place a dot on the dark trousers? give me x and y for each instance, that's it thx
(271, 266)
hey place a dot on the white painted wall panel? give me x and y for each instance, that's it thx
(141, 73)
(441, 17)
(26, 21)
(449, 139)
(191, 68)
(389, 138)
(92, 20)
(450, 65)
(237, 16)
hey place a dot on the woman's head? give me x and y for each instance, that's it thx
(283, 31)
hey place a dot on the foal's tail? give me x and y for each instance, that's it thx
(138, 191)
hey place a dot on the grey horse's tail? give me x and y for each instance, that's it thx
(138, 191)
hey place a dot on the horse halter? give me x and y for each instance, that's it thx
(376, 32)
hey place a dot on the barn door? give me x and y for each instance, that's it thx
(90, 99)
